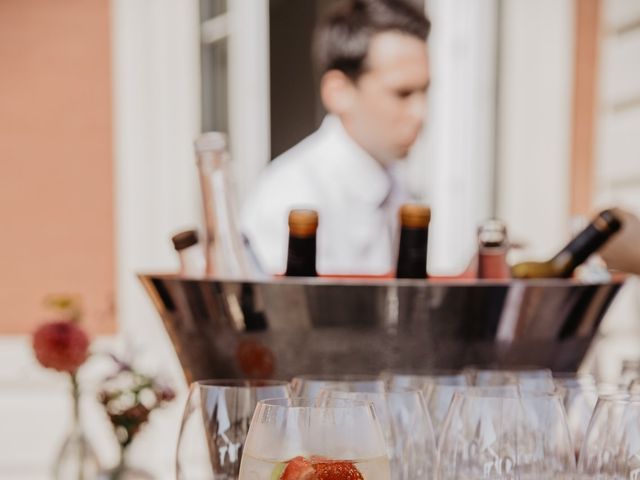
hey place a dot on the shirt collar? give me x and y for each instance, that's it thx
(351, 166)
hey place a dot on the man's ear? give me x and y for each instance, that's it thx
(337, 92)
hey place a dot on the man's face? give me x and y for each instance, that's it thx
(389, 98)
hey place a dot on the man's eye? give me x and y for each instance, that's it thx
(404, 93)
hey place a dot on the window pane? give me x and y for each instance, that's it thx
(211, 8)
(214, 87)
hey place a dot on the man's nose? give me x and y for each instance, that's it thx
(417, 108)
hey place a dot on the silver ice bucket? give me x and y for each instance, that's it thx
(283, 327)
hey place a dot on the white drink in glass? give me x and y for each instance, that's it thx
(259, 469)
(301, 439)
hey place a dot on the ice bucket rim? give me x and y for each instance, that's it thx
(337, 281)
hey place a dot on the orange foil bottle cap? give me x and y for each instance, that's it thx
(303, 222)
(415, 215)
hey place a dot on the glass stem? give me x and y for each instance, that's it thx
(121, 465)
(77, 427)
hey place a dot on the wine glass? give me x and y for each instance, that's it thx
(421, 380)
(310, 386)
(215, 423)
(579, 396)
(611, 447)
(532, 379)
(634, 387)
(437, 388)
(629, 372)
(406, 427)
(500, 433)
(299, 438)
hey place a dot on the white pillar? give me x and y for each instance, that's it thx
(460, 127)
(249, 90)
(156, 99)
(535, 122)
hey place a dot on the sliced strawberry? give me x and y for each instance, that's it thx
(298, 468)
(337, 471)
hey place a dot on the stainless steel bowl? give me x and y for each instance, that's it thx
(283, 327)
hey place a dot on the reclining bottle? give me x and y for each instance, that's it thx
(575, 252)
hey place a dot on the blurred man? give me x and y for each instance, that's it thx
(372, 57)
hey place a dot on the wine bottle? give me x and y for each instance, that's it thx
(414, 237)
(301, 256)
(575, 252)
(493, 245)
(190, 254)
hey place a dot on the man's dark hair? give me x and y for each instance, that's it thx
(341, 40)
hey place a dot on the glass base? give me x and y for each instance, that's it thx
(76, 460)
(125, 473)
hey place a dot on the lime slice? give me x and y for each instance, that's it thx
(277, 471)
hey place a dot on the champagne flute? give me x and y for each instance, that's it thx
(215, 423)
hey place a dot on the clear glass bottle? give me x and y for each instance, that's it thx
(493, 245)
(224, 248)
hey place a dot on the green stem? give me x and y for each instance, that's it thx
(75, 390)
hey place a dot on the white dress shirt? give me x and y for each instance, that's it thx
(357, 200)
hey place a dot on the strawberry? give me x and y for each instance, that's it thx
(298, 468)
(329, 470)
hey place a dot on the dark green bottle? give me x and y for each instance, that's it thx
(301, 256)
(563, 264)
(414, 239)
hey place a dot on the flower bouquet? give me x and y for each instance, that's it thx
(129, 397)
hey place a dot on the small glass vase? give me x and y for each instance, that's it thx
(77, 459)
(125, 470)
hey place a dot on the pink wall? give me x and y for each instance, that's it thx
(56, 188)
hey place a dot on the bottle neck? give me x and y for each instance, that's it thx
(301, 257)
(493, 249)
(492, 263)
(412, 254)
